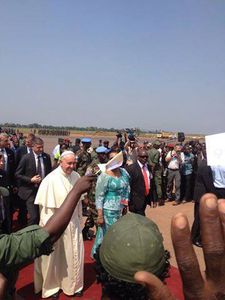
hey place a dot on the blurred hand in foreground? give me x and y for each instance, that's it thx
(195, 287)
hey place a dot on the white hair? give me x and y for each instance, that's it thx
(3, 134)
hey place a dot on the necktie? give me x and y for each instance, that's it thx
(145, 174)
(39, 169)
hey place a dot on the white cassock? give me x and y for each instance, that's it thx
(64, 267)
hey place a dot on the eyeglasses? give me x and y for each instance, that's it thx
(143, 156)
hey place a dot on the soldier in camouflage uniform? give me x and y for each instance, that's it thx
(156, 168)
(101, 158)
(83, 160)
(83, 157)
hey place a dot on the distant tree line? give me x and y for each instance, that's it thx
(67, 128)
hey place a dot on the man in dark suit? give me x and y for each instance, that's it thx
(9, 169)
(140, 176)
(27, 148)
(9, 158)
(20, 152)
(32, 168)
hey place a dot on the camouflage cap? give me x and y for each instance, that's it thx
(132, 244)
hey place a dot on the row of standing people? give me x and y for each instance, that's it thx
(21, 174)
(171, 171)
(173, 168)
(138, 176)
(40, 192)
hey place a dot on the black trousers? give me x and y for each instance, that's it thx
(186, 187)
(195, 229)
(33, 211)
(7, 223)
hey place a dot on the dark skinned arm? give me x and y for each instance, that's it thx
(55, 225)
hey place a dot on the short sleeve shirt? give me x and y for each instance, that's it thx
(20, 248)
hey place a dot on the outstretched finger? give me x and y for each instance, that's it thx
(221, 207)
(212, 238)
(156, 289)
(193, 283)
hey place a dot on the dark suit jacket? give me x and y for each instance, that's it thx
(11, 166)
(20, 152)
(26, 170)
(203, 184)
(3, 178)
(138, 200)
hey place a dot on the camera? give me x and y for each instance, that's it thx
(119, 134)
(130, 134)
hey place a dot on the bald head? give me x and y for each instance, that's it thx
(142, 156)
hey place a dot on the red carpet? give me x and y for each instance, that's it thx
(92, 290)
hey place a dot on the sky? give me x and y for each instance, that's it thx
(120, 63)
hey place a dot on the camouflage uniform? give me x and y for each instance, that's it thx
(83, 161)
(91, 209)
(153, 160)
(91, 195)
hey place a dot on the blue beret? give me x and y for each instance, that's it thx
(86, 140)
(102, 149)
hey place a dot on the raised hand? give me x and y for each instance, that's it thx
(84, 183)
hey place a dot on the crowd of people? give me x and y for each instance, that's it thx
(111, 180)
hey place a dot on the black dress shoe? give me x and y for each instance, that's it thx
(198, 244)
(86, 235)
(79, 294)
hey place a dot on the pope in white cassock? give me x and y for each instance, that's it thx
(64, 268)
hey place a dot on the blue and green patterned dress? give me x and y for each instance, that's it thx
(112, 195)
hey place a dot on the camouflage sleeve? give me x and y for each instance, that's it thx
(20, 248)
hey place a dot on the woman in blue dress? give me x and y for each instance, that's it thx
(111, 197)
